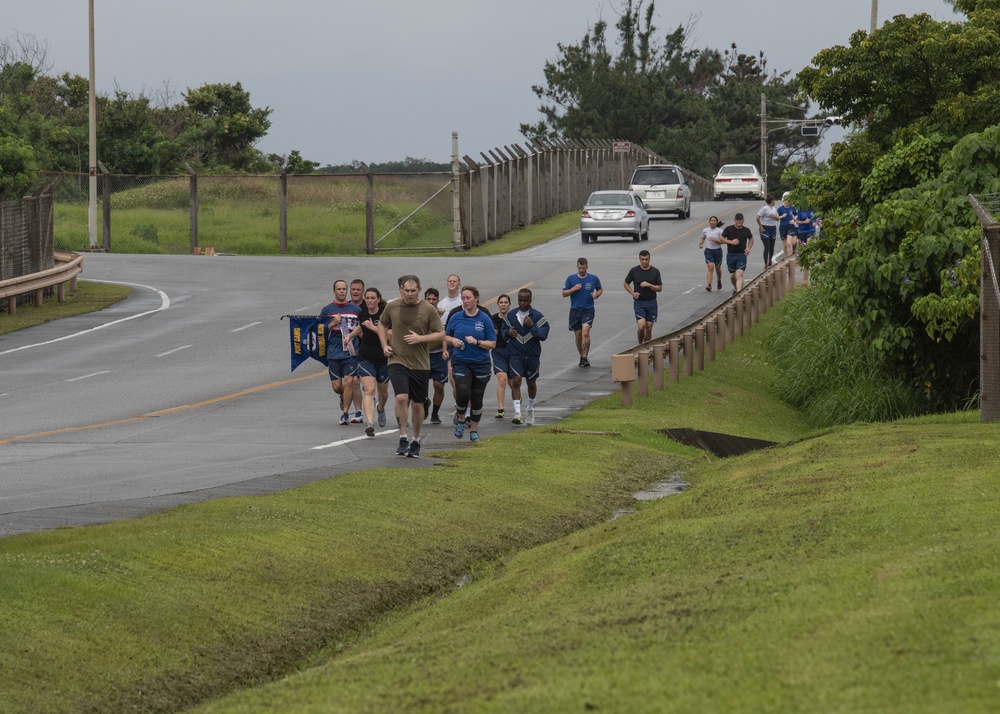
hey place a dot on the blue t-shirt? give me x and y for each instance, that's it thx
(337, 344)
(582, 299)
(479, 326)
(785, 214)
(806, 228)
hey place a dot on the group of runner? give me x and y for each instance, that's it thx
(417, 338)
(794, 226)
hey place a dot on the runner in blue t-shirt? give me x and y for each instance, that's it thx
(471, 335)
(582, 289)
(340, 318)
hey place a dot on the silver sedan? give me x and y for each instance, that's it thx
(614, 213)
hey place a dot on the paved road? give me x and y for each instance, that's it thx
(183, 391)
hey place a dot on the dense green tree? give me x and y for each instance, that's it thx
(293, 163)
(700, 108)
(226, 127)
(899, 254)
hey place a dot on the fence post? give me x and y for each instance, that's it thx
(658, 367)
(989, 327)
(688, 354)
(673, 345)
(105, 207)
(193, 193)
(369, 211)
(699, 348)
(711, 335)
(456, 210)
(643, 378)
(989, 315)
(730, 324)
(282, 211)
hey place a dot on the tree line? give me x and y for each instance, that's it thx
(697, 107)
(214, 128)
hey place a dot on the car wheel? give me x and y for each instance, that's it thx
(637, 237)
(584, 237)
(593, 239)
(645, 236)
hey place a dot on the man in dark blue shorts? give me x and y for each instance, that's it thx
(643, 282)
(739, 238)
(526, 330)
(582, 289)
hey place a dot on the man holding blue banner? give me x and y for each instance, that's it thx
(340, 318)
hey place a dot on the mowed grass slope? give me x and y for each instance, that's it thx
(849, 570)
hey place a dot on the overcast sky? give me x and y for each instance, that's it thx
(380, 80)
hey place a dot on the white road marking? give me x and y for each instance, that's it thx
(353, 438)
(252, 324)
(176, 349)
(88, 376)
(164, 304)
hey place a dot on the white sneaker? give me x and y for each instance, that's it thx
(530, 417)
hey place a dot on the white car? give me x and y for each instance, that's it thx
(662, 188)
(739, 181)
(614, 213)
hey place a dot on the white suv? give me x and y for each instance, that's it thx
(662, 188)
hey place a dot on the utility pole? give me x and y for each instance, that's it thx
(92, 211)
(763, 135)
(874, 15)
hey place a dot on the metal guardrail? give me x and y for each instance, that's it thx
(703, 337)
(68, 266)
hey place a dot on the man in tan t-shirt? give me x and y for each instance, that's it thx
(416, 327)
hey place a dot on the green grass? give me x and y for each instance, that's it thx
(89, 297)
(849, 570)
(240, 214)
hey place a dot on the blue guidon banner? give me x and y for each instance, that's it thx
(307, 335)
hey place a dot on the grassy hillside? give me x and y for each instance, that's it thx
(849, 570)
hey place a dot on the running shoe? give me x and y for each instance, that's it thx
(460, 430)
(457, 419)
(709, 287)
(381, 418)
(357, 418)
(435, 419)
(585, 362)
(517, 419)
(414, 451)
(404, 445)
(370, 430)
(474, 435)
(345, 419)
(468, 421)
(530, 417)
(499, 414)
(718, 285)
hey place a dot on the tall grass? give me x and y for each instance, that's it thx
(828, 372)
(241, 214)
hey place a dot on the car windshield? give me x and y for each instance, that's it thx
(654, 177)
(609, 199)
(737, 170)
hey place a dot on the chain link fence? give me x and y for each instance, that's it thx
(340, 214)
(315, 214)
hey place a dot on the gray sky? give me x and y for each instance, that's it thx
(379, 80)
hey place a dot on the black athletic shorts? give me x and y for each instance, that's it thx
(409, 381)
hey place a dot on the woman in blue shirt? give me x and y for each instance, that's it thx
(471, 335)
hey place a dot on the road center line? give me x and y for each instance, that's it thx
(245, 327)
(176, 349)
(88, 376)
